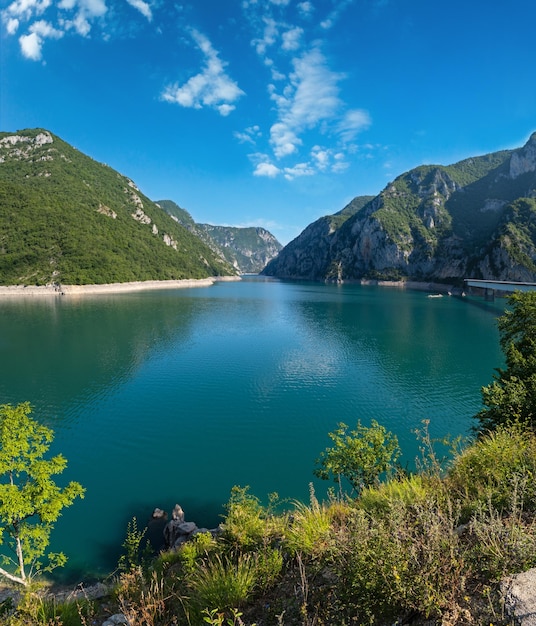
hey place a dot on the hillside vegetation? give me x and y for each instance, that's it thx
(64, 218)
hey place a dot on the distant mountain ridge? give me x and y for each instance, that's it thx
(247, 249)
(476, 218)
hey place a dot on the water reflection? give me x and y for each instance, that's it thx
(176, 396)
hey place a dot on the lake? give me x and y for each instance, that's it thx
(165, 397)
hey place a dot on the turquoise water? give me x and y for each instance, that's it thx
(175, 396)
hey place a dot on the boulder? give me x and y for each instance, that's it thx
(520, 598)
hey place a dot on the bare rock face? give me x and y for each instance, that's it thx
(520, 598)
(524, 160)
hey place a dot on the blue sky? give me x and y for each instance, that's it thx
(270, 112)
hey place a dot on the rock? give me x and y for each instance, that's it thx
(118, 618)
(178, 513)
(186, 528)
(520, 597)
(159, 513)
(177, 529)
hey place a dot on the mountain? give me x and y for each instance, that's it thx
(248, 250)
(473, 219)
(64, 218)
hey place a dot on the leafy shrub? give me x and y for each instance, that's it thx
(487, 471)
(407, 560)
(189, 553)
(361, 456)
(268, 566)
(247, 523)
(503, 544)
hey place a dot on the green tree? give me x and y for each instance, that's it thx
(360, 455)
(30, 500)
(511, 397)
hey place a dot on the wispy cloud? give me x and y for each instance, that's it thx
(212, 87)
(311, 96)
(334, 15)
(308, 107)
(42, 19)
(305, 8)
(249, 135)
(143, 7)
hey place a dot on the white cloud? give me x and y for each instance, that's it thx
(44, 29)
(269, 36)
(283, 139)
(30, 46)
(143, 7)
(212, 87)
(26, 9)
(300, 169)
(266, 169)
(292, 39)
(321, 157)
(12, 25)
(339, 167)
(59, 17)
(310, 98)
(305, 8)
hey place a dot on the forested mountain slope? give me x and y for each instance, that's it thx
(64, 218)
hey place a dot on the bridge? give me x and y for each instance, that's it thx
(491, 286)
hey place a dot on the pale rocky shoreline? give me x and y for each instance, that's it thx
(110, 288)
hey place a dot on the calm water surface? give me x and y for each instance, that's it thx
(176, 396)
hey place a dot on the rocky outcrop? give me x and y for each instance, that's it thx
(170, 535)
(432, 224)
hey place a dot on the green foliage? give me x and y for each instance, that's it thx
(64, 218)
(407, 560)
(309, 529)
(247, 523)
(223, 583)
(511, 397)
(192, 551)
(30, 500)
(360, 456)
(215, 618)
(486, 472)
(409, 490)
(268, 566)
(136, 554)
(38, 610)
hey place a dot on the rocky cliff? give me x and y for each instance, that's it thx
(248, 250)
(434, 223)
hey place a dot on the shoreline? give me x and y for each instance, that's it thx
(111, 288)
